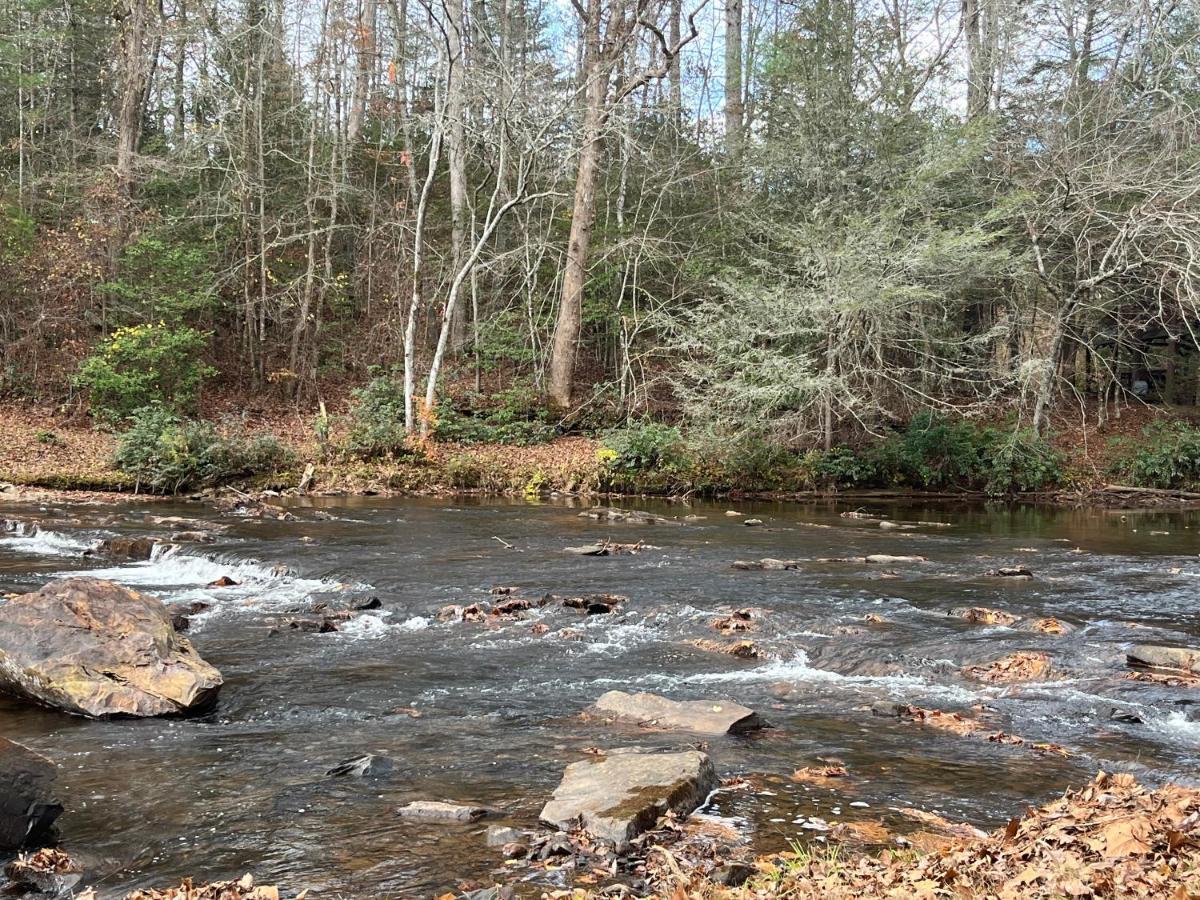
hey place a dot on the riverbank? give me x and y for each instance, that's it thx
(46, 454)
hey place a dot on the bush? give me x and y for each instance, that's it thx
(1167, 456)
(518, 418)
(167, 453)
(377, 419)
(1018, 462)
(646, 447)
(143, 365)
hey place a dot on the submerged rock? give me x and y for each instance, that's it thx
(983, 615)
(700, 716)
(1157, 656)
(181, 613)
(500, 835)
(1019, 572)
(1022, 666)
(368, 766)
(616, 797)
(94, 648)
(441, 811)
(27, 806)
(766, 564)
(613, 514)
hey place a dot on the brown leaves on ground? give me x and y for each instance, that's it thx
(956, 723)
(819, 774)
(740, 649)
(47, 860)
(242, 889)
(1112, 839)
(1014, 667)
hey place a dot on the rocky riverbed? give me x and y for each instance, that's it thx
(419, 697)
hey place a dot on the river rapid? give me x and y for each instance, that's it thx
(489, 714)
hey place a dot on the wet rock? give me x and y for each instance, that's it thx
(733, 874)
(368, 766)
(140, 548)
(192, 537)
(499, 835)
(441, 811)
(885, 559)
(613, 514)
(181, 613)
(1124, 716)
(1158, 656)
(48, 871)
(1010, 668)
(312, 625)
(27, 805)
(752, 523)
(595, 604)
(739, 621)
(700, 716)
(94, 648)
(1019, 572)
(609, 548)
(367, 603)
(888, 709)
(766, 564)
(1048, 625)
(740, 649)
(983, 615)
(222, 582)
(615, 798)
(511, 607)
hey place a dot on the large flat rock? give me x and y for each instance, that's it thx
(27, 804)
(616, 797)
(94, 648)
(1157, 656)
(700, 716)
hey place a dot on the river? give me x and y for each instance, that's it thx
(490, 714)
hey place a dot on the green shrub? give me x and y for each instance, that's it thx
(645, 447)
(934, 452)
(844, 467)
(1167, 456)
(164, 277)
(377, 419)
(515, 416)
(1018, 462)
(167, 453)
(143, 365)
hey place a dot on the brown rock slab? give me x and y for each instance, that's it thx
(616, 797)
(94, 648)
(700, 716)
(1158, 656)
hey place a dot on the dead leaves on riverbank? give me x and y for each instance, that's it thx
(242, 889)
(1114, 838)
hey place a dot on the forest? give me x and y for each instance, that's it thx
(799, 225)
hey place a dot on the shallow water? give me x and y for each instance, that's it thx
(242, 788)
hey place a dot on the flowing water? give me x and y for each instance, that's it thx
(243, 789)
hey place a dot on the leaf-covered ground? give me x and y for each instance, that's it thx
(1113, 838)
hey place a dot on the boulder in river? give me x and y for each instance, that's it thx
(95, 648)
(616, 797)
(441, 811)
(48, 871)
(138, 548)
(700, 716)
(770, 565)
(1157, 656)
(27, 805)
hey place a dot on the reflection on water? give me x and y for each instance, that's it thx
(242, 789)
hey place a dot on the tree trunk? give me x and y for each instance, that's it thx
(565, 346)
(364, 67)
(733, 78)
(456, 147)
(134, 69)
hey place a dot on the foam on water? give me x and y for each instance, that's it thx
(1177, 728)
(186, 577)
(30, 539)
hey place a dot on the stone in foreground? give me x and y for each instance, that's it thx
(439, 811)
(700, 716)
(1156, 656)
(27, 806)
(94, 648)
(616, 797)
